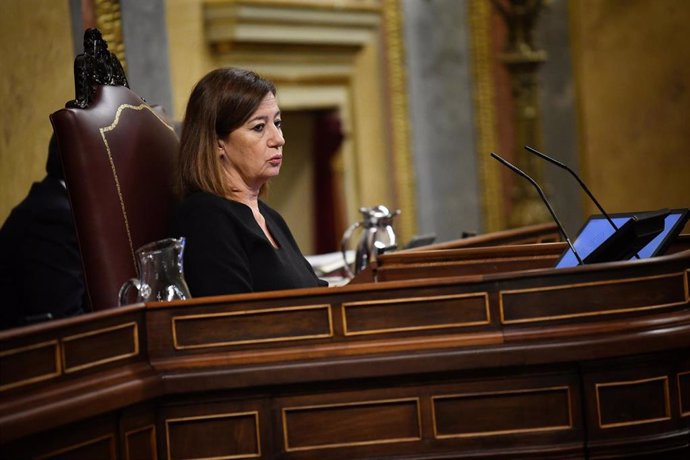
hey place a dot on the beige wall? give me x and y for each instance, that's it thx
(355, 88)
(293, 190)
(633, 74)
(190, 57)
(36, 64)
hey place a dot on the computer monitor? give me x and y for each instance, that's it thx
(597, 230)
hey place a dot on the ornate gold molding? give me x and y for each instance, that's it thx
(485, 114)
(109, 22)
(404, 172)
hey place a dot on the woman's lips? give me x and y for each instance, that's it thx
(276, 160)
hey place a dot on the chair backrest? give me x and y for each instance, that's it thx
(117, 155)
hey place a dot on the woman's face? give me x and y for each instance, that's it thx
(253, 153)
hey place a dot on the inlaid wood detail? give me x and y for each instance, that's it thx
(683, 380)
(141, 443)
(252, 327)
(351, 424)
(633, 402)
(416, 314)
(592, 299)
(501, 413)
(100, 346)
(217, 436)
(45, 364)
(102, 448)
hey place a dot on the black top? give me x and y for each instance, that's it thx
(226, 251)
(40, 267)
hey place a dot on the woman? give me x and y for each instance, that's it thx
(231, 145)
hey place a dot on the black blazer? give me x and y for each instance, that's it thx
(226, 251)
(40, 266)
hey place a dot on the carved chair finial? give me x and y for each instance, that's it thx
(95, 66)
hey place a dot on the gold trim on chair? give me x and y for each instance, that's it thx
(107, 129)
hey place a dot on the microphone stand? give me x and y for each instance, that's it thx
(577, 178)
(544, 199)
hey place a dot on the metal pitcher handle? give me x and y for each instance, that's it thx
(345, 243)
(122, 295)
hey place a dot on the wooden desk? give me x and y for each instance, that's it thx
(582, 362)
(426, 263)
(404, 265)
(531, 234)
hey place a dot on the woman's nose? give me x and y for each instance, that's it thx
(277, 139)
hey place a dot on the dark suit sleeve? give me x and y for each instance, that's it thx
(51, 273)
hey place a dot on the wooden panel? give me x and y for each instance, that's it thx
(418, 313)
(589, 299)
(351, 424)
(684, 393)
(419, 264)
(615, 386)
(539, 233)
(101, 448)
(218, 436)
(100, 346)
(252, 326)
(462, 268)
(498, 413)
(140, 444)
(637, 402)
(45, 364)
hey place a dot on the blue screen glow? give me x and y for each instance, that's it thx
(598, 229)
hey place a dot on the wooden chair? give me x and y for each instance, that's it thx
(117, 153)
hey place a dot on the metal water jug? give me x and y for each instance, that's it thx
(377, 236)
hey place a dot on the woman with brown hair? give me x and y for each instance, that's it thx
(231, 145)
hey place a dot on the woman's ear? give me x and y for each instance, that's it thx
(221, 147)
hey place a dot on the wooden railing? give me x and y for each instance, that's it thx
(587, 361)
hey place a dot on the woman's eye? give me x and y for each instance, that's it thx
(258, 128)
(278, 123)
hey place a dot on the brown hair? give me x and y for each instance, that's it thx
(221, 102)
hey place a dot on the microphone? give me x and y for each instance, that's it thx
(577, 178)
(579, 181)
(516, 170)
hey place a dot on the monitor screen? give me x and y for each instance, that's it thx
(597, 229)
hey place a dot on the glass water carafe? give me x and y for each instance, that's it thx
(161, 274)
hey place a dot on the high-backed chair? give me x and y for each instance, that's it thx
(117, 154)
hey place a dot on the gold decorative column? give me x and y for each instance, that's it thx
(109, 22)
(486, 118)
(523, 61)
(395, 67)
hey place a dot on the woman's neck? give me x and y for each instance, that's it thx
(250, 198)
(246, 196)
